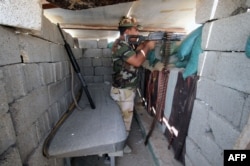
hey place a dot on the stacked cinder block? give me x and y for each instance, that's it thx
(35, 87)
(97, 61)
(222, 106)
(18, 14)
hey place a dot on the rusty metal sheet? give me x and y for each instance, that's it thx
(85, 4)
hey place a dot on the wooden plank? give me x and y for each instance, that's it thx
(85, 4)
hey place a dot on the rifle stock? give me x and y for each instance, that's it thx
(76, 68)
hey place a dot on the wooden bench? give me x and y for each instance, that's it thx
(91, 131)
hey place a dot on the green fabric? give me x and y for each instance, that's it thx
(186, 45)
(192, 64)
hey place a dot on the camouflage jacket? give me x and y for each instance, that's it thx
(125, 75)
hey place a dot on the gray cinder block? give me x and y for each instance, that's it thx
(11, 157)
(87, 43)
(224, 101)
(226, 68)
(7, 134)
(195, 155)
(216, 9)
(14, 81)
(58, 52)
(26, 110)
(92, 53)
(32, 76)
(9, 47)
(4, 106)
(102, 43)
(27, 141)
(56, 91)
(33, 49)
(24, 14)
(228, 34)
(47, 74)
(106, 52)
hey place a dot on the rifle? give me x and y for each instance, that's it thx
(76, 68)
(152, 36)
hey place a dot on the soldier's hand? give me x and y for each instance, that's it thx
(150, 44)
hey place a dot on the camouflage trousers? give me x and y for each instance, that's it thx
(125, 99)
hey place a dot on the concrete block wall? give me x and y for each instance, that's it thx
(97, 61)
(35, 87)
(18, 14)
(222, 105)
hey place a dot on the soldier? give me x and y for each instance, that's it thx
(126, 61)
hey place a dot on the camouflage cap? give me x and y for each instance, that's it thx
(129, 22)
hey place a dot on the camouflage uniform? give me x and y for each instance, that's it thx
(124, 80)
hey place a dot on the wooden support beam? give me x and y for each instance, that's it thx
(85, 4)
(114, 28)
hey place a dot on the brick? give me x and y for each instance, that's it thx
(228, 34)
(14, 82)
(92, 53)
(11, 158)
(204, 9)
(34, 49)
(216, 96)
(87, 43)
(27, 141)
(32, 76)
(102, 43)
(56, 91)
(7, 134)
(47, 73)
(9, 53)
(19, 14)
(103, 71)
(229, 69)
(106, 52)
